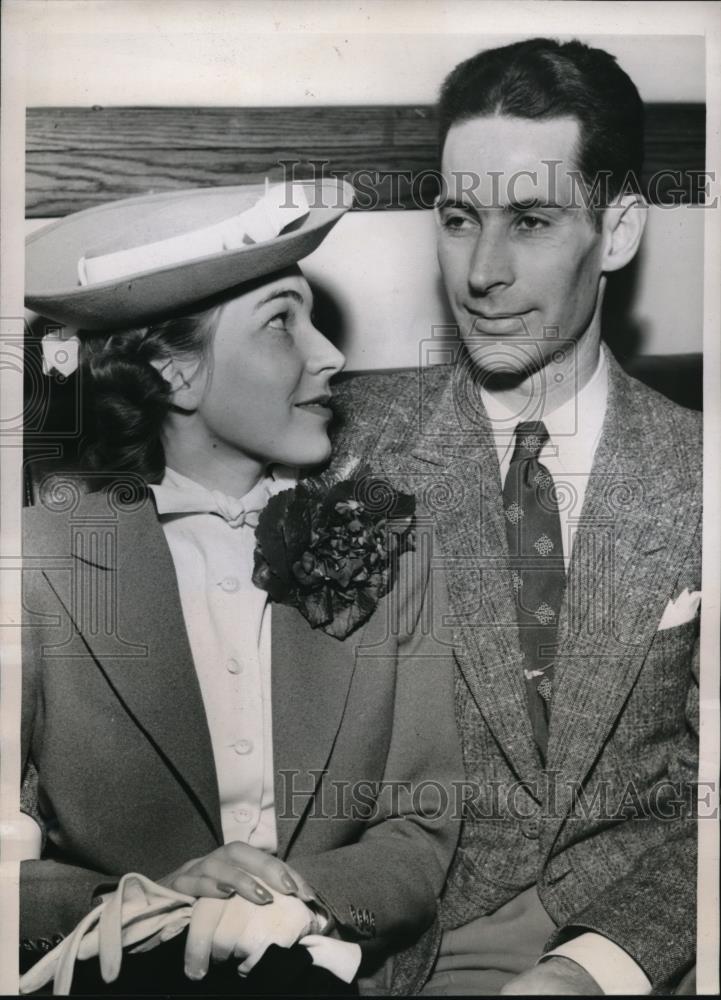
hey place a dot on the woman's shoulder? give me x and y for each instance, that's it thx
(67, 503)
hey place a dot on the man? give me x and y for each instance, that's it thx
(566, 500)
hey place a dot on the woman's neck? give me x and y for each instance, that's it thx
(213, 464)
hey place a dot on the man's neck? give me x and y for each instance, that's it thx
(556, 382)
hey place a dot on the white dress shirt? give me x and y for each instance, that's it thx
(228, 624)
(228, 621)
(574, 430)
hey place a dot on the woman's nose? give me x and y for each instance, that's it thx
(322, 355)
(490, 266)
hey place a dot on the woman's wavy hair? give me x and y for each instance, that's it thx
(128, 396)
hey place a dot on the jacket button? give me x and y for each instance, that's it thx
(531, 827)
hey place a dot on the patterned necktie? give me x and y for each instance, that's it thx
(535, 545)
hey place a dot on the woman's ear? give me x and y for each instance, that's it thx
(623, 226)
(184, 377)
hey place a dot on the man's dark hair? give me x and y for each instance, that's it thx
(542, 79)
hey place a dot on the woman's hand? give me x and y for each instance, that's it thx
(234, 928)
(234, 868)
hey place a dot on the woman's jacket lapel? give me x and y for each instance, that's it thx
(125, 604)
(311, 675)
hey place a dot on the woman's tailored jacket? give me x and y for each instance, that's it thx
(365, 744)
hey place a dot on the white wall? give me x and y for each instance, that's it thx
(159, 66)
(264, 52)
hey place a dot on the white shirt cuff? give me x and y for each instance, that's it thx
(613, 968)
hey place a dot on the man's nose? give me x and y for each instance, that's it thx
(491, 266)
(322, 355)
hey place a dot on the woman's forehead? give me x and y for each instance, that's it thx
(288, 284)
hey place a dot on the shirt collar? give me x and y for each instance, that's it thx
(574, 427)
(179, 494)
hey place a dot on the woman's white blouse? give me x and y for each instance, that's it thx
(228, 624)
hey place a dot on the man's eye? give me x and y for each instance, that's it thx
(531, 223)
(457, 223)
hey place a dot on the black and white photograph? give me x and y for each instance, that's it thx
(360, 545)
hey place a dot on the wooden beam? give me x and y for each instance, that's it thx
(80, 157)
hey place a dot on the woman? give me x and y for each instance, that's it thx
(164, 742)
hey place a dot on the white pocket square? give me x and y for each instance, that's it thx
(681, 609)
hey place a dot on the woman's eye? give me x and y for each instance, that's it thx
(279, 322)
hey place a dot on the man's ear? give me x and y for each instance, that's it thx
(185, 380)
(623, 224)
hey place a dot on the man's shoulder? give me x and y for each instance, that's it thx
(665, 418)
(356, 387)
(385, 404)
(665, 409)
(660, 432)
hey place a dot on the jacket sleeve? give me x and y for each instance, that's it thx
(649, 910)
(383, 889)
(54, 896)
(660, 888)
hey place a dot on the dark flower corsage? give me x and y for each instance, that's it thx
(331, 549)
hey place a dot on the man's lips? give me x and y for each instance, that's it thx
(497, 322)
(498, 315)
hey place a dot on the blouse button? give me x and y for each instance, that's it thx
(232, 666)
(230, 584)
(243, 746)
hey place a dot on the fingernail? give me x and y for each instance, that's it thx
(263, 894)
(195, 973)
(227, 889)
(289, 883)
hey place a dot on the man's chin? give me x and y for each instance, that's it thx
(497, 381)
(501, 365)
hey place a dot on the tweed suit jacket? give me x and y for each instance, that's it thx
(605, 831)
(114, 723)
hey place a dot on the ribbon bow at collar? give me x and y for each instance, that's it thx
(179, 495)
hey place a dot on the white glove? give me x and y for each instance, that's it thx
(137, 910)
(140, 914)
(236, 928)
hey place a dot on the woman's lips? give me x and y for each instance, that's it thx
(319, 405)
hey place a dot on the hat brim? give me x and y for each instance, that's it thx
(52, 254)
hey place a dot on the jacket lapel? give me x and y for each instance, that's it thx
(126, 606)
(629, 545)
(454, 456)
(311, 674)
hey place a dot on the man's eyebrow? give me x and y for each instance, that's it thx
(517, 206)
(281, 293)
(528, 204)
(464, 206)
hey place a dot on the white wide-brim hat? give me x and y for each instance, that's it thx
(129, 262)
